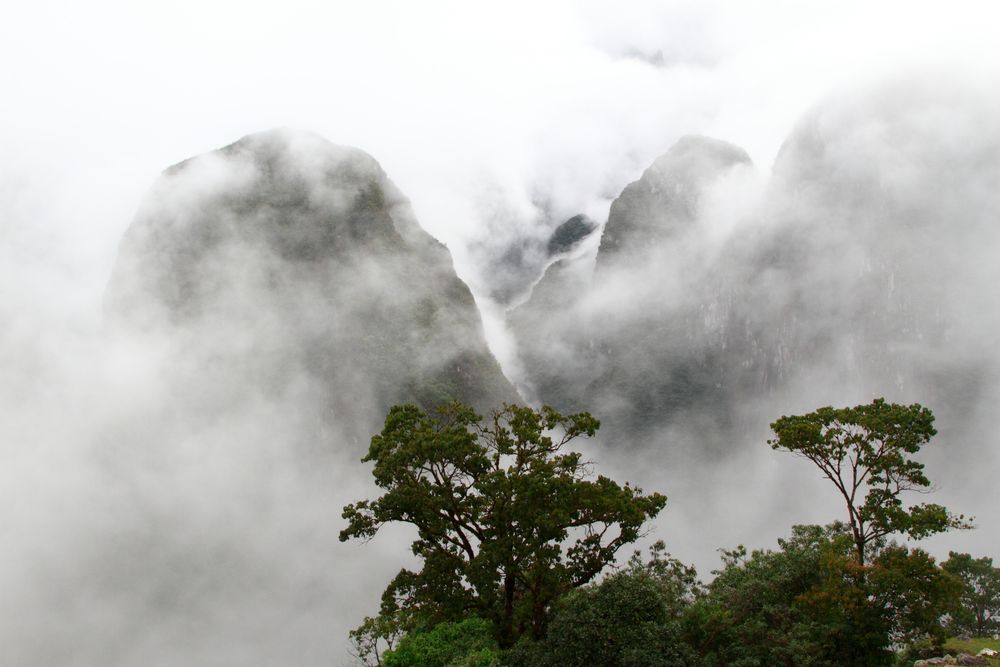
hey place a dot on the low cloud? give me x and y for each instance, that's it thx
(158, 511)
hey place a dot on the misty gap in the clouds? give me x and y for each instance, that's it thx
(271, 300)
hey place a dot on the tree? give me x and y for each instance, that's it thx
(865, 451)
(912, 594)
(631, 618)
(507, 519)
(979, 608)
(469, 643)
(783, 607)
(375, 637)
(805, 604)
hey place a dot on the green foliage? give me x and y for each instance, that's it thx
(374, 636)
(979, 608)
(971, 646)
(812, 603)
(469, 643)
(513, 529)
(632, 618)
(508, 520)
(865, 451)
(758, 611)
(911, 593)
(918, 650)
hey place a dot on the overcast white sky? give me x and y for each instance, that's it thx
(468, 106)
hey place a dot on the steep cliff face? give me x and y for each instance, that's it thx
(284, 255)
(515, 267)
(867, 272)
(620, 338)
(855, 274)
(664, 202)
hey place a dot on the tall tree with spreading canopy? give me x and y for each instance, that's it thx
(507, 518)
(866, 452)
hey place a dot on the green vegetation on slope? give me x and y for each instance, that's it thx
(514, 533)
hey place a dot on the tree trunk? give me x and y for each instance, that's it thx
(537, 618)
(507, 631)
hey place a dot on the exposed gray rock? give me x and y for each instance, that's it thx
(284, 254)
(849, 278)
(522, 263)
(628, 358)
(570, 234)
(664, 201)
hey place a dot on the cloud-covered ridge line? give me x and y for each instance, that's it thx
(285, 233)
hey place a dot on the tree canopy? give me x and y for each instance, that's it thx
(507, 518)
(513, 530)
(469, 643)
(805, 604)
(979, 609)
(866, 452)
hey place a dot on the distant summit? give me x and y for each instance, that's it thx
(604, 337)
(284, 253)
(664, 200)
(854, 273)
(570, 234)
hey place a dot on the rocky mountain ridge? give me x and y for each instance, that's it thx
(283, 254)
(846, 279)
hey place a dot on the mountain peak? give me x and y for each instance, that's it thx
(305, 250)
(665, 199)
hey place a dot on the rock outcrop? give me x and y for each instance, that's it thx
(849, 277)
(623, 342)
(284, 255)
(664, 201)
(570, 234)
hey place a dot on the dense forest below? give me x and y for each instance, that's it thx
(518, 541)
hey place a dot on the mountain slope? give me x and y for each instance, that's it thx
(283, 254)
(859, 272)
